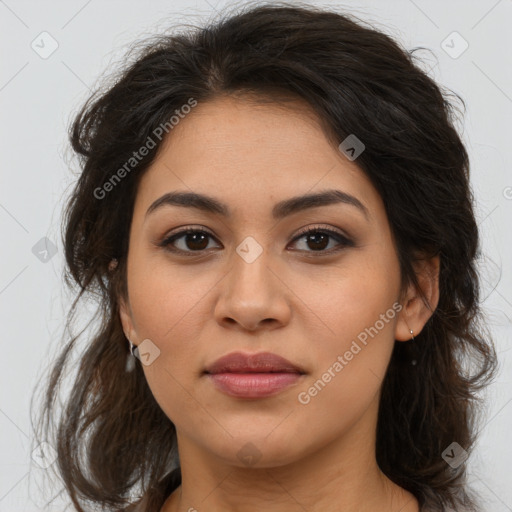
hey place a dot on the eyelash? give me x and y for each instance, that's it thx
(339, 237)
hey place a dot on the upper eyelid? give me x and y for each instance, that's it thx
(327, 229)
(181, 231)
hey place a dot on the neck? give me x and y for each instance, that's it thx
(342, 475)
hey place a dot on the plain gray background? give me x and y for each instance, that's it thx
(38, 97)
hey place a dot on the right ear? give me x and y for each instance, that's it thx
(126, 316)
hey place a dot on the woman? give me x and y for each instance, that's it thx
(275, 217)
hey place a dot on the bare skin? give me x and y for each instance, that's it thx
(295, 300)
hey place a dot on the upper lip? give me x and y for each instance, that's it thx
(262, 362)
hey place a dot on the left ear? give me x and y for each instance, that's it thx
(417, 310)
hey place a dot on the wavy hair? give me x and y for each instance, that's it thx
(111, 436)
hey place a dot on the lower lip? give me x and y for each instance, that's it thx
(253, 385)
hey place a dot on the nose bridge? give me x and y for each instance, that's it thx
(251, 292)
(251, 269)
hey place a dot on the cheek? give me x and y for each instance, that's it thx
(170, 310)
(351, 296)
(168, 301)
(358, 310)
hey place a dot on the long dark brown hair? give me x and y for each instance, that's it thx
(110, 435)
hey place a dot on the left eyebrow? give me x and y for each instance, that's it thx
(280, 210)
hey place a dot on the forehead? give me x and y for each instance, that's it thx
(237, 149)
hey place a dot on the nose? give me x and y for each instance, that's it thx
(253, 296)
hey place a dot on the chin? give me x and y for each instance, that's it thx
(260, 449)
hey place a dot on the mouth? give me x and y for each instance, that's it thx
(253, 375)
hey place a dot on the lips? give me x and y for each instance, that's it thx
(263, 362)
(253, 376)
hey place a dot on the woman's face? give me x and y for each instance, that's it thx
(328, 303)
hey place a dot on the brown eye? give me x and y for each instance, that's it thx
(318, 240)
(188, 240)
